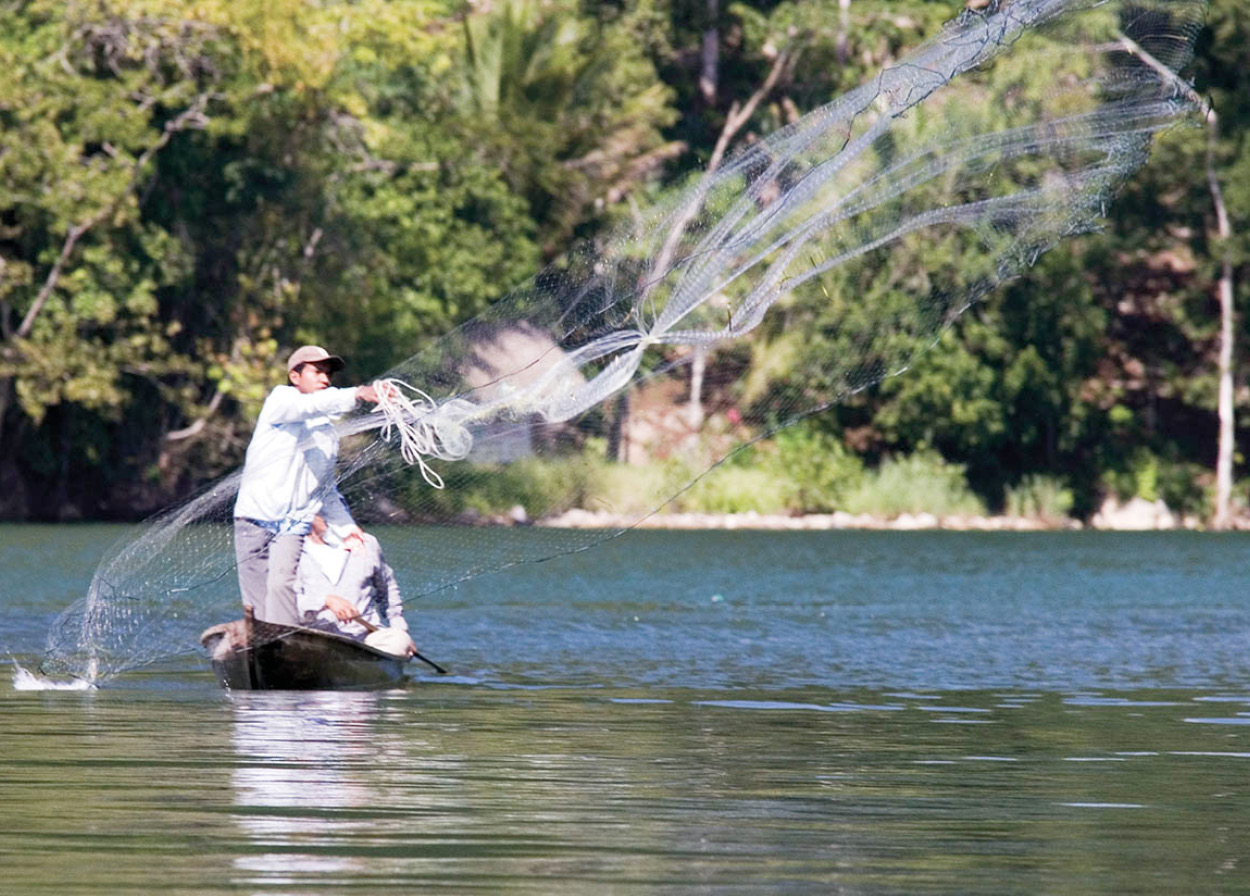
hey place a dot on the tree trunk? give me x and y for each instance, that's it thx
(1224, 460)
(844, 28)
(694, 414)
(709, 70)
(1227, 436)
(618, 434)
(1223, 231)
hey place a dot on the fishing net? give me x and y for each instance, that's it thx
(821, 230)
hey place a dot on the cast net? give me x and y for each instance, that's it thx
(819, 229)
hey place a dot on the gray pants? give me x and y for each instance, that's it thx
(267, 566)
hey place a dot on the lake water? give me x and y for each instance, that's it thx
(677, 713)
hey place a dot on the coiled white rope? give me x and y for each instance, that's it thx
(424, 427)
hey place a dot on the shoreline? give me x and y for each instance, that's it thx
(1137, 515)
(812, 522)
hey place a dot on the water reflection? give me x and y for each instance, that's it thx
(303, 762)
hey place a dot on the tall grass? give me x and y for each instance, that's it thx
(801, 471)
(1040, 497)
(918, 483)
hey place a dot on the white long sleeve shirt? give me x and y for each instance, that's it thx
(288, 475)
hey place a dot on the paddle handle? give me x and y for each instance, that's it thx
(429, 662)
(373, 628)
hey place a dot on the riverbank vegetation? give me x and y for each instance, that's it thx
(776, 478)
(189, 190)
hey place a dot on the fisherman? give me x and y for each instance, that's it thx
(351, 592)
(288, 478)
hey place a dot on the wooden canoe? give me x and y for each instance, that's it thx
(250, 655)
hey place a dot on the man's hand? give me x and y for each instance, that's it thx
(375, 392)
(340, 607)
(354, 539)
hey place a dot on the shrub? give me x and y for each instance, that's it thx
(920, 482)
(736, 489)
(1041, 497)
(1151, 477)
(817, 471)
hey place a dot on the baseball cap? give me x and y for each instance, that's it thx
(310, 354)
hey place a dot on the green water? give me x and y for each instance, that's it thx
(679, 713)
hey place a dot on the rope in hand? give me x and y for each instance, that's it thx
(424, 428)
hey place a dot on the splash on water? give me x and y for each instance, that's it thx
(25, 680)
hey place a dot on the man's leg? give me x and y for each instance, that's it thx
(251, 554)
(280, 605)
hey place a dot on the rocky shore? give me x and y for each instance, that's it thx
(1135, 515)
(587, 519)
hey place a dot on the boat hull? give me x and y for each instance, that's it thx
(249, 655)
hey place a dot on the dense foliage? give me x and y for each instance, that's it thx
(188, 190)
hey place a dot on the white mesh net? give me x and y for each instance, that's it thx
(820, 226)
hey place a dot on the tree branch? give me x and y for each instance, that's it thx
(191, 117)
(198, 425)
(737, 118)
(734, 122)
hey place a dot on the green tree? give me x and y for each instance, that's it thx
(88, 101)
(566, 103)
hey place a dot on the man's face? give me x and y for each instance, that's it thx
(311, 377)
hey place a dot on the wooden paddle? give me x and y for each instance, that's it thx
(373, 628)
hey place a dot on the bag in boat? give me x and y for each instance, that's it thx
(392, 641)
